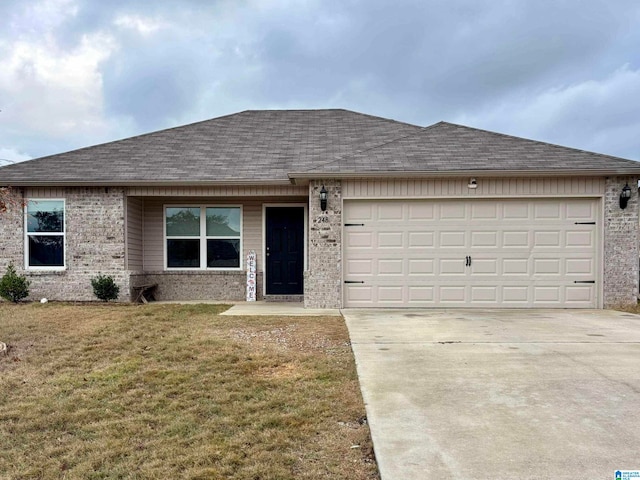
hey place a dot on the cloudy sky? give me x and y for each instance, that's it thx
(79, 72)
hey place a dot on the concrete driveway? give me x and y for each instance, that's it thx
(488, 394)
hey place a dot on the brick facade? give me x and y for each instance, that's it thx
(185, 285)
(322, 281)
(620, 244)
(94, 244)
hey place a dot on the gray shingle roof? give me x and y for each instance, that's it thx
(449, 148)
(275, 145)
(250, 146)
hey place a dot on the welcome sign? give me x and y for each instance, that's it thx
(251, 276)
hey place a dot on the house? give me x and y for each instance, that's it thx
(438, 216)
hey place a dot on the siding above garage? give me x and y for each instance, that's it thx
(457, 187)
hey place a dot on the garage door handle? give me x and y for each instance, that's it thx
(584, 281)
(353, 281)
(468, 261)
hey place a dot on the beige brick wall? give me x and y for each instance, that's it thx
(94, 243)
(322, 281)
(620, 244)
(219, 286)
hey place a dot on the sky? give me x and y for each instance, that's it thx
(75, 73)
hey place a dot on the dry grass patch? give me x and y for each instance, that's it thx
(166, 391)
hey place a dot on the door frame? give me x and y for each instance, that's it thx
(305, 266)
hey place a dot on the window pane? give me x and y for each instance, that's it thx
(223, 222)
(223, 253)
(45, 251)
(45, 216)
(183, 253)
(182, 221)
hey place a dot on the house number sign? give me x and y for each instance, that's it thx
(251, 276)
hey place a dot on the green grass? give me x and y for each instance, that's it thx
(170, 391)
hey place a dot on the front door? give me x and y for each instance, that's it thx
(284, 250)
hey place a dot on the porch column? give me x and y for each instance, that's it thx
(620, 244)
(322, 281)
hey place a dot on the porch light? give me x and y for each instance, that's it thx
(323, 198)
(625, 195)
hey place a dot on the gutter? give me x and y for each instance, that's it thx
(297, 177)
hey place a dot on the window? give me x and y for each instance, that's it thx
(203, 237)
(45, 233)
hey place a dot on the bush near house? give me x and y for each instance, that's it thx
(105, 288)
(14, 287)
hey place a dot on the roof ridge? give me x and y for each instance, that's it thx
(539, 142)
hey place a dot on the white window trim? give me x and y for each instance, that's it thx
(62, 234)
(202, 238)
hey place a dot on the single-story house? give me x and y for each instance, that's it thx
(341, 209)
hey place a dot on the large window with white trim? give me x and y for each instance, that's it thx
(203, 237)
(44, 233)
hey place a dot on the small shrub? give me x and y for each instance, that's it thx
(105, 288)
(14, 287)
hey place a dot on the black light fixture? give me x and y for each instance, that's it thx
(625, 195)
(323, 198)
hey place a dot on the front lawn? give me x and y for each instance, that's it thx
(177, 391)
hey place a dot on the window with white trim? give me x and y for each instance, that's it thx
(203, 237)
(44, 233)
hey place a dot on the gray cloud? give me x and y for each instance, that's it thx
(565, 72)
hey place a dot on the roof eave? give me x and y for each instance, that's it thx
(296, 177)
(141, 183)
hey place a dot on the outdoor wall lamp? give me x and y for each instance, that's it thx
(625, 195)
(323, 198)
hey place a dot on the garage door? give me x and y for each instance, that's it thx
(462, 253)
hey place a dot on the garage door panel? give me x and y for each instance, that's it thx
(451, 211)
(548, 238)
(547, 266)
(391, 211)
(484, 239)
(515, 266)
(484, 211)
(523, 253)
(515, 239)
(452, 239)
(580, 239)
(359, 212)
(419, 266)
(579, 293)
(359, 240)
(451, 266)
(362, 266)
(546, 210)
(516, 210)
(484, 294)
(452, 293)
(421, 211)
(390, 240)
(418, 294)
(548, 294)
(390, 267)
(421, 240)
(580, 211)
(515, 294)
(484, 266)
(390, 294)
(580, 266)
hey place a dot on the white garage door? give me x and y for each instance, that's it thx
(475, 252)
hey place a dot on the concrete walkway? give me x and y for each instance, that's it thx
(284, 309)
(483, 394)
